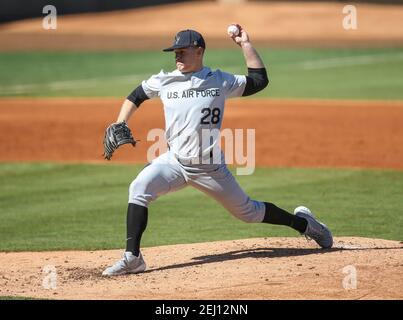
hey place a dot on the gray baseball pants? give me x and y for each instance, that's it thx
(166, 174)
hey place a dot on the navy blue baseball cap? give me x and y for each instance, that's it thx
(187, 38)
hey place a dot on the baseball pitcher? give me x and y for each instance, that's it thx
(194, 98)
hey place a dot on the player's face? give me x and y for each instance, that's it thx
(188, 59)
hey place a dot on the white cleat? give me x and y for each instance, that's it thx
(127, 265)
(315, 230)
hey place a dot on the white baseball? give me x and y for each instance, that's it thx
(233, 30)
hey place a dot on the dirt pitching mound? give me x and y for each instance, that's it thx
(264, 268)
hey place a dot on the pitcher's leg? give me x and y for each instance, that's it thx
(136, 223)
(158, 178)
(276, 215)
(222, 186)
(155, 180)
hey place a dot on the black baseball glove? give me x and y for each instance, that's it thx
(116, 135)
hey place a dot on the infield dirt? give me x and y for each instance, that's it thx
(263, 268)
(289, 133)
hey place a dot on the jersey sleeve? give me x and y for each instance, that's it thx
(152, 86)
(233, 85)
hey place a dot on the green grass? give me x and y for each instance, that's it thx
(299, 73)
(54, 206)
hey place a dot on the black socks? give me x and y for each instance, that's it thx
(276, 215)
(136, 224)
(137, 217)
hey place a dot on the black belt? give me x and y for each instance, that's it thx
(181, 161)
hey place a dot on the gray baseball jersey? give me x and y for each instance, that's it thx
(193, 103)
(193, 107)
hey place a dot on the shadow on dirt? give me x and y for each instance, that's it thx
(259, 253)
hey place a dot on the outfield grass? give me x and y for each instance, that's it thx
(54, 206)
(299, 73)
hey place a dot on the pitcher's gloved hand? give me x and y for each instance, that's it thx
(116, 135)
